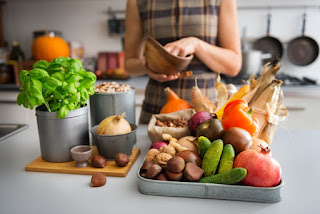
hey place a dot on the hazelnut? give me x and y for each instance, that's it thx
(168, 149)
(175, 164)
(151, 155)
(162, 159)
(121, 159)
(98, 179)
(98, 161)
(153, 171)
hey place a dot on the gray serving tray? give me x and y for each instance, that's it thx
(210, 191)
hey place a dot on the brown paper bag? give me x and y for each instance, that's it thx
(155, 132)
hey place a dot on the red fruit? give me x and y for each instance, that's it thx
(197, 119)
(262, 169)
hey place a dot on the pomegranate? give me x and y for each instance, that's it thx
(262, 169)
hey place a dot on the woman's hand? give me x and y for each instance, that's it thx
(159, 77)
(182, 47)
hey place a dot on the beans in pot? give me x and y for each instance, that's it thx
(112, 87)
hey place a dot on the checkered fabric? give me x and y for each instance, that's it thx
(171, 20)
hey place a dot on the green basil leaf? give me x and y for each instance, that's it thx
(70, 88)
(42, 64)
(57, 95)
(55, 106)
(87, 83)
(88, 75)
(91, 90)
(84, 94)
(58, 75)
(75, 98)
(23, 76)
(71, 106)
(63, 111)
(74, 78)
(54, 68)
(65, 102)
(53, 82)
(59, 60)
(38, 73)
(22, 97)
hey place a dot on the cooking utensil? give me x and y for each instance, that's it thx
(161, 61)
(81, 154)
(269, 44)
(303, 50)
(252, 61)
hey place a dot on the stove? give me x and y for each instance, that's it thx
(287, 80)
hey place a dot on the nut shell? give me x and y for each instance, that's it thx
(153, 171)
(162, 159)
(98, 179)
(174, 176)
(192, 172)
(175, 164)
(152, 153)
(98, 161)
(168, 149)
(122, 159)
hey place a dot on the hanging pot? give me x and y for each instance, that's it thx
(252, 61)
(269, 44)
(303, 50)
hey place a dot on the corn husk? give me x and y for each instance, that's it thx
(264, 107)
(222, 92)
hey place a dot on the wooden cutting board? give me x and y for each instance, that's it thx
(111, 169)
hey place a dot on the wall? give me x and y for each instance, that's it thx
(86, 21)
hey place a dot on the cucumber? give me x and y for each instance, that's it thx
(211, 158)
(227, 159)
(203, 144)
(231, 176)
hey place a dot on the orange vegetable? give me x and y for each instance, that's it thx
(237, 113)
(49, 47)
(174, 103)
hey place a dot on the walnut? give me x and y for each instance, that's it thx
(162, 159)
(151, 155)
(168, 149)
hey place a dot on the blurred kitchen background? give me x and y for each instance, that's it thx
(97, 28)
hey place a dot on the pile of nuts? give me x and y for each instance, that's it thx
(99, 179)
(177, 123)
(112, 87)
(172, 162)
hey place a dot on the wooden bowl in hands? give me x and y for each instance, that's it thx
(161, 61)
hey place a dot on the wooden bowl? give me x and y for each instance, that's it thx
(161, 61)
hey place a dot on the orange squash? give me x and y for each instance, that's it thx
(174, 103)
(49, 47)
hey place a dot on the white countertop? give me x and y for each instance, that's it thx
(38, 192)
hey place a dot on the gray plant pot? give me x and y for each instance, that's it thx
(58, 136)
(103, 105)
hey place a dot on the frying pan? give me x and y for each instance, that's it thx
(303, 50)
(269, 44)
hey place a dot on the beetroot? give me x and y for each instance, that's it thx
(262, 169)
(158, 145)
(197, 119)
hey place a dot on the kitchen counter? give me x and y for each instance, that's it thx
(35, 192)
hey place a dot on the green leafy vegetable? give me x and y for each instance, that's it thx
(61, 85)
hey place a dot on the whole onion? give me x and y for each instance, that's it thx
(158, 145)
(197, 119)
(114, 125)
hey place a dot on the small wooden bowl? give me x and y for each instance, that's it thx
(161, 61)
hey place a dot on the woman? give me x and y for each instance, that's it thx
(206, 28)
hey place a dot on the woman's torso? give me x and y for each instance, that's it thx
(171, 20)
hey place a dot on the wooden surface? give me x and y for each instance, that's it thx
(111, 169)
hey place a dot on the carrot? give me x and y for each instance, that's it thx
(200, 102)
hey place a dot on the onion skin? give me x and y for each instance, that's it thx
(262, 169)
(158, 145)
(197, 119)
(114, 125)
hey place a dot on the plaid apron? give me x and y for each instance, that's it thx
(171, 20)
